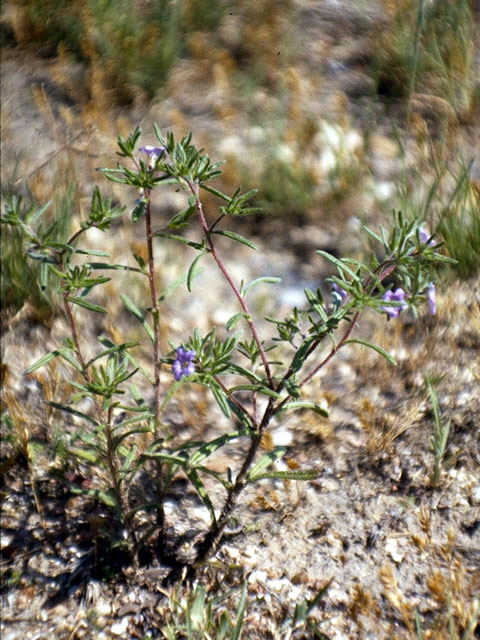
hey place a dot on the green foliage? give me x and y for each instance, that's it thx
(429, 48)
(138, 43)
(215, 360)
(286, 188)
(22, 279)
(197, 617)
(440, 435)
(449, 204)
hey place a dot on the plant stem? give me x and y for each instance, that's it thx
(195, 191)
(156, 372)
(117, 484)
(345, 337)
(211, 540)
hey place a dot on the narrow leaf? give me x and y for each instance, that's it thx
(266, 461)
(192, 272)
(237, 630)
(306, 405)
(41, 362)
(267, 279)
(288, 475)
(75, 412)
(81, 302)
(93, 252)
(338, 263)
(115, 349)
(202, 492)
(117, 267)
(234, 320)
(237, 238)
(221, 399)
(138, 314)
(216, 192)
(375, 347)
(171, 236)
(208, 448)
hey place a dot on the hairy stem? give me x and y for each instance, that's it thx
(122, 500)
(211, 540)
(156, 372)
(195, 191)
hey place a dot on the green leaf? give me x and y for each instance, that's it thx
(81, 302)
(107, 497)
(208, 448)
(215, 192)
(234, 320)
(237, 630)
(117, 267)
(114, 349)
(307, 474)
(139, 209)
(313, 406)
(267, 279)
(237, 237)
(118, 440)
(266, 461)
(259, 388)
(375, 347)
(372, 233)
(74, 412)
(221, 398)
(67, 355)
(338, 263)
(202, 492)
(93, 252)
(41, 362)
(167, 457)
(43, 276)
(241, 414)
(175, 284)
(214, 474)
(192, 272)
(190, 243)
(90, 455)
(181, 219)
(236, 368)
(138, 314)
(301, 354)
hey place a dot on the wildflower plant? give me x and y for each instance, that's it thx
(237, 369)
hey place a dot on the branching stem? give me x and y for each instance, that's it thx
(195, 191)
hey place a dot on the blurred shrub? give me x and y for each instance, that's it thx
(135, 43)
(20, 282)
(428, 47)
(450, 205)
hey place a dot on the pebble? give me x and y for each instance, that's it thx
(476, 494)
(119, 628)
(103, 608)
(392, 548)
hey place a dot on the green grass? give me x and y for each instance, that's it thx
(20, 282)
(429, 48)
(133, 44)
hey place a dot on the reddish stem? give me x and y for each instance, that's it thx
(194, 189)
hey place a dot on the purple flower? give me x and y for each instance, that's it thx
(424, 236)
(341, 292)
(395, 296)
(338, 295)
(153, 153)
(183, 365)
(431, 299)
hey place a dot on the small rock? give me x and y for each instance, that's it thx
(476, 494)
(119, 628)
(392, 548)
